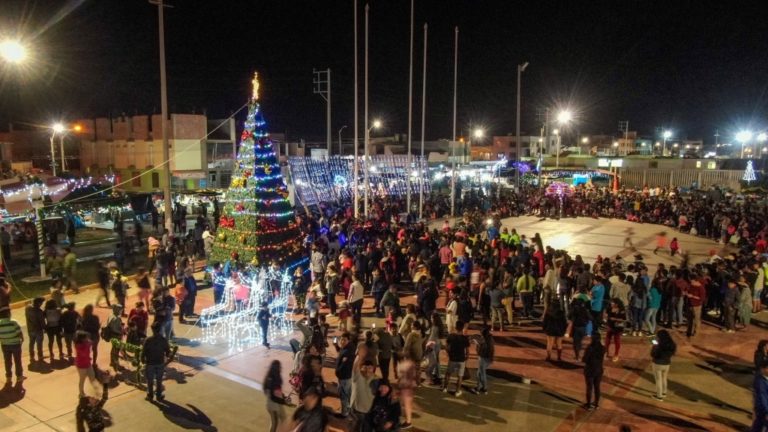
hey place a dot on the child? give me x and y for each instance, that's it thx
(674, 247)
(88, 413)
(312, 306)
(344, 315)
(140, 318)
(263, 318)
(57, 292)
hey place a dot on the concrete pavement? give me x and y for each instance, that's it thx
(213, 388)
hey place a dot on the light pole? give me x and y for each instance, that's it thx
(423, 122)
(57, 128)
(36, 197)
(563, 118)
(743, 137)
(615, 148)
(342, 128)
(453, 143)
(518, 145)
(376, 124)
(167, 208)
(585, 141)
(666, 135)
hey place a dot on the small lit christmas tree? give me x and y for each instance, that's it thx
(749, 173)
(258, 225)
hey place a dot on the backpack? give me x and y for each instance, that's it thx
(105, 333)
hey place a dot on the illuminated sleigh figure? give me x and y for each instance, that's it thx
(235, 320)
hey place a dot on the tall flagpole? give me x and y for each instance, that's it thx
(410, 120)
(453, 143)
(422, 164)
(355, 198)
(365, 121)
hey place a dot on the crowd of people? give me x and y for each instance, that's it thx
(473, 280)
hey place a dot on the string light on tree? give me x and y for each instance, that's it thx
(749, 173)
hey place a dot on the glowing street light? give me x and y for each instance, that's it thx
(58, 128)
(585, 140)
(564, 116)
(478, 133)
(12, 51)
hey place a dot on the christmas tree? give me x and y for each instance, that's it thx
(258, 226)
(749, 173)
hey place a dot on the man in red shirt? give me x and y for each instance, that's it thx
(696, 294)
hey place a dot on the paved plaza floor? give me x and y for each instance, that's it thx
(211, 387)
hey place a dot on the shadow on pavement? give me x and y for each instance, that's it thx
(10, 394)
(40, 367)
(187, 418)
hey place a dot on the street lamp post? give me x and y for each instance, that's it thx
(57, 128)
(36, 197)
(376, 124)
(563, 118)
(340, 151)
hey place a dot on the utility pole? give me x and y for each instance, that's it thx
(518, 145)
(545, 135)
(341, 129)
(422, 163)
(366, 158)
(356, 161)
(410, 121)
(322, 83)
(624, 127)
(61, 148)
(168, 210)
(453, 143)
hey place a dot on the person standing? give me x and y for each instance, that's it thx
(485, 354)
(593, 371)
(413, 346)
(731, 305)
(155, 354)
(70, 269)
(273, 387)
(114, 330)
(384, 342)
(616, 318)
(451, 312)
(434, 344)
(83, 362)
(597, 294)
(355, 300)
(378, 288)
(5, 244)
(497, 307)
(760, 398)
(263, 317)
(555, 325)
(332, 286)
(362, 396)
(318, 263)
(11, 339)
(458, 352)
(53, 327)
(92, 325)
(344, 363)
(579, 321)
(525, 286)
(661, 354)
(70, 321)
(35, 328)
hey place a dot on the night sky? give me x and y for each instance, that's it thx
(692, 66)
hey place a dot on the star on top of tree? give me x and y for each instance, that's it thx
(255, 83)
